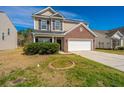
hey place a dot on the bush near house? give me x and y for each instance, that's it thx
(120, 48)
(41, 48)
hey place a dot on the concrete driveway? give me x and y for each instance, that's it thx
(112, 60)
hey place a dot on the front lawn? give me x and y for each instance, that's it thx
(85, 72)
(119, 52)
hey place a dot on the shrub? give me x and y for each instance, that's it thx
(31, 49)
(120, 48)
(41, 48)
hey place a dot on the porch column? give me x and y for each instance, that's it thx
(34, 39)
(53, 40)
(122, 42)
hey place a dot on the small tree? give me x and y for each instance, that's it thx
(24, 37)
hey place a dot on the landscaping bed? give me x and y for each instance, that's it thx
(62, 65)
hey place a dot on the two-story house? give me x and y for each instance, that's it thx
(110, 39)
(52, 26)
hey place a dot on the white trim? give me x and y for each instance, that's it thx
(61, 30)
(34, 24)
(59, 25)
(53, 39)
(118, 32)
(45, 34)
(34, 39)
(122, 41)
(56, 14)
(46, 24)
(44, 10)
(83, 26)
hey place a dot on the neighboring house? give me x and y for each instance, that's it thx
(52, 26)
(8, 33)
(109, 39)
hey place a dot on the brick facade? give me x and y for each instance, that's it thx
(77, 34)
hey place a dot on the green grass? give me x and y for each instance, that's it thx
(119, 52)
(85, 73)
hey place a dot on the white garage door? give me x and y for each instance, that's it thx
(78, 45)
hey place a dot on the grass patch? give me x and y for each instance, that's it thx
(85, 73)
(119, 52)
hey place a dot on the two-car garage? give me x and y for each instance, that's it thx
(79, 38)
(79, 45)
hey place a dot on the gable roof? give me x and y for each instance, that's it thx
(120, 29)
(100, 32)
(45, 9)
(110, 33)
(75, 21)
(83, 26)
(7, 19)
(57, 14)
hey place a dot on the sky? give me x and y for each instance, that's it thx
(98, 17)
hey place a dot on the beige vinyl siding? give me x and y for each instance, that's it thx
(10, 41)
(102, 38)
(36, 24)
(68, 25)
(47, 13)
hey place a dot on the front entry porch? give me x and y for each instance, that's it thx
(117, 40)
(117, 43)
(59, 40)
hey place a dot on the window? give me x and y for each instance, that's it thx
(44, 24)
(2, 36)
(8, 31)
(43, 39)
(57, 25)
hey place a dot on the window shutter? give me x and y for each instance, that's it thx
(39, 24)
(53, 25)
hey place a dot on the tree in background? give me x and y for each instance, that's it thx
(24, 37)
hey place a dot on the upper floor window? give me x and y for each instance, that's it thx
(44, 24)
(8, 31)
(57, 25)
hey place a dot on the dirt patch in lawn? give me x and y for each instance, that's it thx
(13, 59)
(61, 65)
